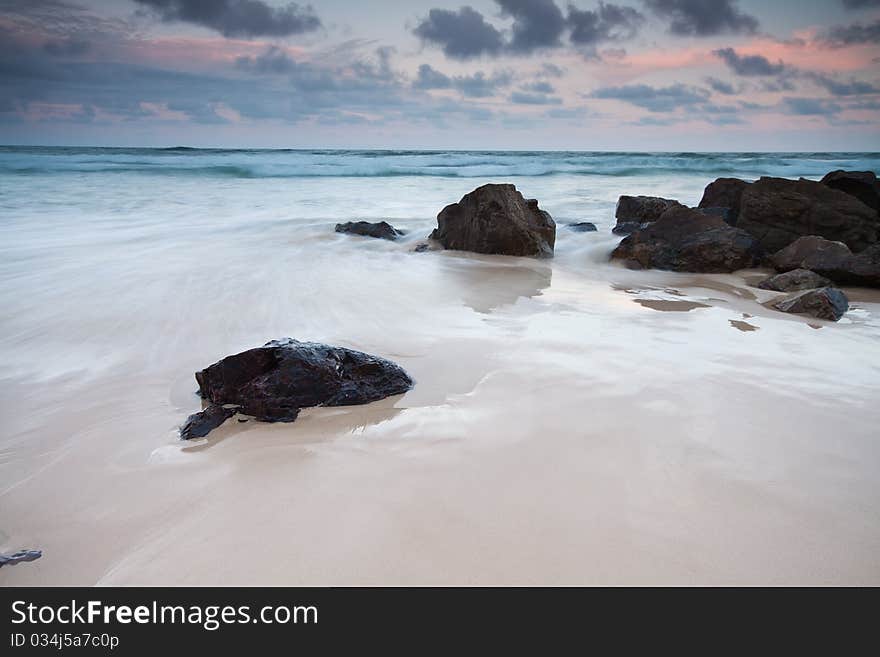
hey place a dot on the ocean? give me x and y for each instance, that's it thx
(571, 422)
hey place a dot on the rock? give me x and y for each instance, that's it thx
(725, 193)
(863, 268)
(861, 184)
(627, 227)
(797, 279)
(199, 425)
(381, 229)
(724, 213)
(825, 303)
(12, 558)
(778, 211)
(496, 219)
(815, 253)
(273, 382)
(683, 239)
(644, 209)
(583, 227)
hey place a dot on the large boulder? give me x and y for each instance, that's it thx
(380, 229)
(273, 382)
(863, 268)
(684, 239)
(644, 209)
(725, 193)
(814, 253)
(778, 211)
(792, 281)
(861, 184)
(496, 219)
(825, 303)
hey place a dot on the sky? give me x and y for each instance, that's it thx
(645, 75)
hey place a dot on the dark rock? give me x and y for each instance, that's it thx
(273, 382)
(863, 268)
(825, 303)
(496, 219)
(796, 279)
(644, 209)
(725, 193)
(817, 254)
(421, 248)
(381, 229)
(583, 227)
(778, 211)
(724, 213)
(627, 227)
(199, 425)
(683, 239)
(861, 184)
(12, 558)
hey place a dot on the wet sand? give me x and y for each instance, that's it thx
(564, 428)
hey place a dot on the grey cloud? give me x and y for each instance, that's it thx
(461, 35)
(477, 85)
(521, 98)
(655, 99)
(860, 4)
(238, 18)
(539, 87)
(536, 24)
(67, 47)
(702, 18)
(721, 86)
(810, 106)
(551, 70)
(607, 22)
(431, 78)
(748, 65)
(854, 34)
(838, 88)
(273, 60)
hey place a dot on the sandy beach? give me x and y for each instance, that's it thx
(572, 422)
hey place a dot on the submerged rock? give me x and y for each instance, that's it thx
(273, 382)
(12, 558)
(724, 193)
(861, 184)
(684, 239)
(496, 219)
(797, 279)
(779, 211)
(382, 229)
(583, 227)
(199, 425)
(825, 303)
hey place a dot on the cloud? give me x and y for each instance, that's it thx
(854, 34)
(860, 4)
(702, 18)
(238, 18)
(607, 23)
(721, 86)
(273, 60)
(810, 106)
(536, 24)
(70, 47)
(539, 87)
(521, 98)
(655, 99)
(838, 88)
(748, 65)
(431, 78)
(461, 35)
(477, 85)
